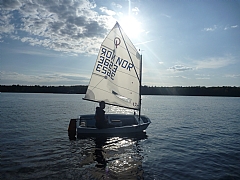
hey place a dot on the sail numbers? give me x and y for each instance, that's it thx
(108, 63)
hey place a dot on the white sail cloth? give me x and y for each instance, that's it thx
(116, 74)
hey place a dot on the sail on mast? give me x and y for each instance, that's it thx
(116, 75)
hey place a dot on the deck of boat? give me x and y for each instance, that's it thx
(121, 123)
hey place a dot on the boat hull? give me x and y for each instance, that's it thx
(122, 124)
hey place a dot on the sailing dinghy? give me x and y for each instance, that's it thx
(116, 80)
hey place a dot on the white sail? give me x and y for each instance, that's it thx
(116, 74)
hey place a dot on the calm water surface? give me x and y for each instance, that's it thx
(189, 138)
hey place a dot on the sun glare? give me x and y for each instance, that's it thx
(131, 26)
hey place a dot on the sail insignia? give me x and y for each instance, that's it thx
(121, 97)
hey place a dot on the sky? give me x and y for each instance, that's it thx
(183, 42)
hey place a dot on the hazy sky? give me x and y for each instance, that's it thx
(184, 42)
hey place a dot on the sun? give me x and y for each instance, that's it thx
(131, 26)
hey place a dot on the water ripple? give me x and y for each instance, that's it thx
(189, 138)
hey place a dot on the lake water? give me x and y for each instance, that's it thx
(189, 138)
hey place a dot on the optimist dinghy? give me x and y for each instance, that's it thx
(116, 80)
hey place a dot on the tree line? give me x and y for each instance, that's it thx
(44, 89)
(145, 90)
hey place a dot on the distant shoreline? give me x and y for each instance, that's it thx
(226, 91)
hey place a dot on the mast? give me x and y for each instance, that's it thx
(140, 91)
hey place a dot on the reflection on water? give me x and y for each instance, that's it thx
(189, 138)
(113, 157)
(99, 152)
